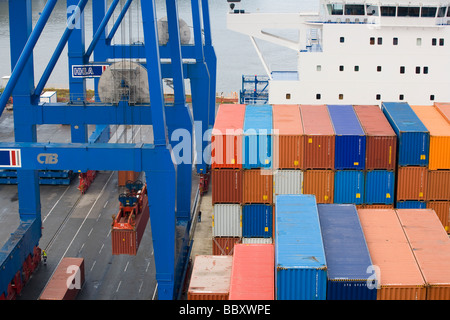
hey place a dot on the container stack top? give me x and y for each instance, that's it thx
(373, 121)
(345, 246)
(252, 275)
(436, 124)
(402, 117)
(345, 121)
(298, 237)
(257, 118)
(287, 120)
(316, 120)
(444, 109)
(229, 117)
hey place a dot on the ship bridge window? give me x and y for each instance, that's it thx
(448, 12)
(408, 11)
(388, 11)
(335, 9)
(429, 12)
(441, 12)
(372, 10)
(354, 9)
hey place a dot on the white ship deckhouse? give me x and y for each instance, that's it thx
(358, 52)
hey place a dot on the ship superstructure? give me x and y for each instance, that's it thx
(358, 52)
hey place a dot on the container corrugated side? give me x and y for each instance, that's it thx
(257, 221)
(350, 141)
(381, 140)
(224, 245)
(442, 209)
(319, 183)
(389, 250)
(252, 274)
(301, 269)
(319, 137)
(346, 253)
(349, 186)
(431, 247)
(258, 186)
(409, 204)
(226, 185)
(412, 183)
(227, 220)
(257, 240)
(257, 139)
(438, 185)
(439, 128)
(288, 137)
(226, 137)
(210, 278)
(380, 187)
(413, 137)
(287, 182)
(57, 288)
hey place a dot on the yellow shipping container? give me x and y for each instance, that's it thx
(439, 129)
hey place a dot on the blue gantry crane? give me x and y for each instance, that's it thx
(168, 181)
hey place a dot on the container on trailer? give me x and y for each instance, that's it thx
(439, 128)
(66, 281)
(349, 186)
(346, 253)
(287, 182)
(381, 140)
(227, 220)
(210, 278)
(319, 137)
(413, 137)
(412, 183)
(438, 185)
(389, 250)
(431, 247)
(288, 137)
(350, 139)
(442, 209)
(226, 137)
(409, 204)
(257, 221)
(319, 183)
(444, 110)
(379, 187)
(252, 274)
(258, 186)
(125, 176)
(226, 185)
(301, 268)
(257, 139)
(224, 245)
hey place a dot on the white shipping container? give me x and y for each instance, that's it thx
(288, 182)
(227, 220)
(257, 240)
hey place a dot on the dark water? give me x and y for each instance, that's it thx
(235, 53)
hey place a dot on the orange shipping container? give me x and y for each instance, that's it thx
(226, 137)
(439, 129)
(226, 185)
(258, 186)
(431, 247)
(442, 209)
(319, 137)
(223, 246)
(125, 176)
(210, 278)
(319, 183)
(389, 249)
(412, 183)
(288, 137)
(438, 185)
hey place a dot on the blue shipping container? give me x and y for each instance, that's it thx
(301, 269)
(349, 186)
(257, 143)
(350, 143)
(379, 188)
(257, 221)
(348, 258)
(411, 205)
(413, 137)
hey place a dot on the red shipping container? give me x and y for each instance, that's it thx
(288, 144)
(381, 140)
(223, 246)
(319, 183)
(226, 185)
(442, 209)
(319, 137)
(412, 183)
(66, 281)
(125, 176)
(253, 272)
(226, 137)
(258, 186)
(438, 185)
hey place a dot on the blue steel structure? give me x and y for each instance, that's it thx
(168, 182)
